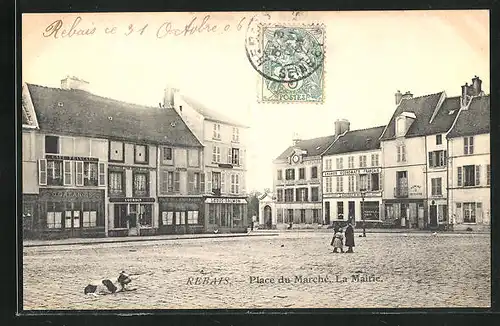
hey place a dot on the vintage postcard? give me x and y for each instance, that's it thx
(255, 160)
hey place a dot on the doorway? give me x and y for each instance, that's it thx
(351, 211)
(327, 212)
(268, 217)
(433, 215)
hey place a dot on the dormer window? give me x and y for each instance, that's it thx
(400, 126)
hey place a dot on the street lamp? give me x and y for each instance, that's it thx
(363, 193)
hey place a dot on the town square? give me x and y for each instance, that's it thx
(280, 169)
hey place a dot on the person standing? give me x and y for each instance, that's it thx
(338, 239)
(349, 236)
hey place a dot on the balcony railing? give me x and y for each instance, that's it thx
(401, 192)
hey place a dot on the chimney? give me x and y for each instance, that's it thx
(341, 126)
(464, 97)
(169, 96)
(296, 139)
(476, 86)
(407, 95)
(399, 96)
(72, 82)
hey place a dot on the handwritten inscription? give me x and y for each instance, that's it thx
(84, 28)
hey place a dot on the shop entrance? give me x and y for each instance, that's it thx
(433, 215)
(132, 217)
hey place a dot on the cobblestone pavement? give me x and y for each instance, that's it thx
(412, 270)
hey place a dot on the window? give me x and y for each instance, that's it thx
(375, 181)
(67, 172)
(140, 154)
(116, 183)
(351, 183)
(302, 173)
(89, 214)
(375, 160)
(54, 215)
(471, 175)
(488, 174)
(340, 209)
(363, 182)
(102, 174)
(328, 184)
(279, 215)
(314, 172)
(436, 189)
(116, 151)
(468, 145)
(280, 175)
(315, 215)
(288, 195)
(439, 139)
(193, 158)
(140, 188)
(235, 184)
(362, 161)
(469, 212)
(290, 174)
(192, 217)
(166, 156)
(401, 150)
(437, 158)
(181, 159)
(52, 144)
(280, 195)
(194, 180)
(301, 194)
(314, 194)
(90, 174)
(302, 216)
(54, 173)
(235, 156)
(167, 181)
(216, 133)
(400, 126)
(328, 164)
(339, 162)
(340, 184)
(350, 162)
(216, 154)
(236, 135)
(144, 214)
(289, 215)
(216, 180)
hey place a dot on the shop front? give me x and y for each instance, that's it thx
(64, 213)
(355, 205)
(181, 215)
(408, 213)
(29, 211)
(226, 214)
(131, 216)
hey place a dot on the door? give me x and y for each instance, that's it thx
(132, 220)
(421, 216)
(433, 215)
(268, 217)
(351, 211)
(402, 184)
(72, 216)
(327, 213)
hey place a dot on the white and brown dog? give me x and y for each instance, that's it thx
(107, 286)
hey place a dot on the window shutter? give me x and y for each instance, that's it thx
(42, 172)
(229, 156)
(459, 176)
(79, 173)
(177, 181)
(67, 175)
(202, 182)
(208, 182)
(190, 181)
(242, 157)
(222, 182)
(380, 182)
(357, 182)
(466, 145)
(102, 174)
(478, 175)
(368, 182)
(445, 157)
(399, 153)
(403, 153)
(430, 159)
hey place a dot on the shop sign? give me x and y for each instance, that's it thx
(180, 200)
(180, 169)
(353, 194)
(48, 194)
(71, 158)
(351, 172)
(225, 201)
(132, 200)
(415, 191)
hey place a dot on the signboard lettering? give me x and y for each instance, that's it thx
(353, 194)
(226, 201)
(351, 171)
(71, 158)
(131, 200)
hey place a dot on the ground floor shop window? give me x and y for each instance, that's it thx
(226, 215)
(145, 215)
(469, 212)
(340, 209)
(442, 213)
(72, 215)
(54, 215)
(315, 215)
(370, 210)
(89, 215)
(289, 216)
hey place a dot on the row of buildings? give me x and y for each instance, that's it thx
(94, 166)
(429, 167)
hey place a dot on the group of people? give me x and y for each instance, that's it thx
(338, 237)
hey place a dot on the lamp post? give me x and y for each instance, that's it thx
(363, 193)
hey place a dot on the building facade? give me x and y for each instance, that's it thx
(223, 186)
(267, 212)
(469, 177)
(297, 183)
(352, 178)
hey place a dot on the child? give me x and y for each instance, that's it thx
(337, 241)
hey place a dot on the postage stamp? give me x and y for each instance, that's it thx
(290, 62)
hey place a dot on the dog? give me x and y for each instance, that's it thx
(107, 286)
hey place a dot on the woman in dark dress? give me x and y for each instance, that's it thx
(349, 236)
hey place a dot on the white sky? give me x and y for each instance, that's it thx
(369, 55)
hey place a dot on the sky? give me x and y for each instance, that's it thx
(369, 55)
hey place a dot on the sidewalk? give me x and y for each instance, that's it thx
(88, 241)
(360, 230)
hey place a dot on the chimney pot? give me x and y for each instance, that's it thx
(398, 97)
(72, 82)
(341, 126)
